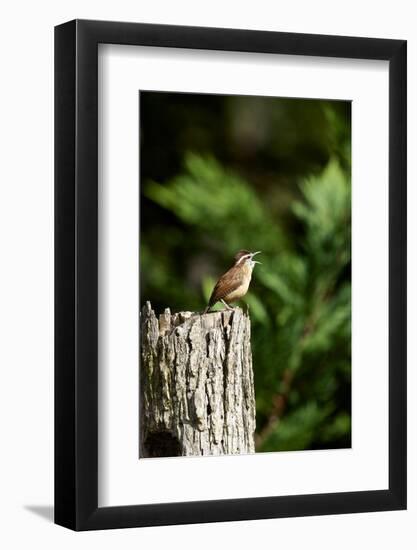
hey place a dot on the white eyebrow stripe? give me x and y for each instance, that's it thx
(243, 258)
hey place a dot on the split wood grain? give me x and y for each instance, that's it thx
(197, 392)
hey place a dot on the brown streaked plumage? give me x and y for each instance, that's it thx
(234, 284)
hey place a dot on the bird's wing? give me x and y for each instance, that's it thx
(227, 282)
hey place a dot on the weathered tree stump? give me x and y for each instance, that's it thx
(196, 384)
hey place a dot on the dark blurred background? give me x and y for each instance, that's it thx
(222, 173)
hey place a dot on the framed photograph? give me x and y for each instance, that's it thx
(230, 252)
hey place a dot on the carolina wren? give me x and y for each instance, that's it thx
(234, 284)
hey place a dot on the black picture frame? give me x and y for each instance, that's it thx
(76, 271)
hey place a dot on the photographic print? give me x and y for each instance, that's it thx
(245, 274)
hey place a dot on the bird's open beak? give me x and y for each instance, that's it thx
(254, 254)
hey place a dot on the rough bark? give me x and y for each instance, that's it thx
(196, 384)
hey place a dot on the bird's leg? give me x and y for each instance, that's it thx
(227, 305)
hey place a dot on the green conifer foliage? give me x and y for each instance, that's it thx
(300, 297)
